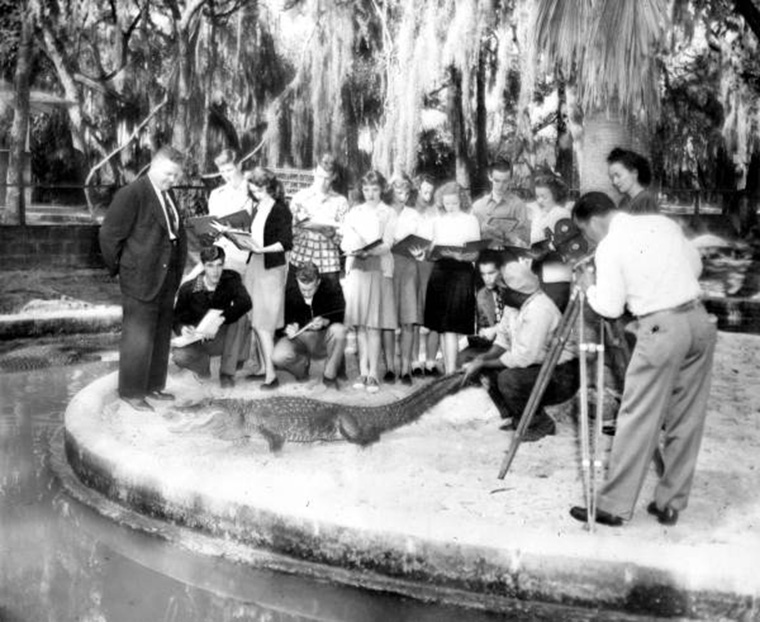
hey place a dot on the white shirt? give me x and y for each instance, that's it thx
(455, 229)
(408, 223)
(223, 201)
(645, 262)
(363, 225)
(541, 220)
(526, 334)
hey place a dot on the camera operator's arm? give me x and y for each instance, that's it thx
(608, 296)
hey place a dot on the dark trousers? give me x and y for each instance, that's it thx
(231, 341)
(146, 333)
(514, 386)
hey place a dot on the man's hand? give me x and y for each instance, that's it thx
(291, 329)
(318, 323)
(471, 369)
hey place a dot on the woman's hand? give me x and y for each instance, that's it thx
(418, 252)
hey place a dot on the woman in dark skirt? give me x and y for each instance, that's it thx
(450, 299)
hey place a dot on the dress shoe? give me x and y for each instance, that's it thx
(432, 372)
(666, 516)
(330, 383)
(161, 396)
(389, 377)
(360, 382)
(372, 385)
(602, 517)
(226, 381)
(138, 403)
(418, 371)
(255, 376)
(406, 380)
(268, 386)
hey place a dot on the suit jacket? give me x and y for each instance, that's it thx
(328, 302)
(135, 241)
(194, 300)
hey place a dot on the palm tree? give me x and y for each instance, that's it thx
(609, 51)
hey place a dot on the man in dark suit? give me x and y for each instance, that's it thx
(143, 241)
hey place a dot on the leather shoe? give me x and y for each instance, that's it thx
(138, 403)
(602, 517)
(666, 516)
(268, 386)
(226, 381)
(330, 383)
(161, 396)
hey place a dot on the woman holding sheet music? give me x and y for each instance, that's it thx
(406, 276)
(232, 196)
(266, 277)
(367, 237)
(450, 303)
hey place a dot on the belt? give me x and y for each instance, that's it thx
(682, 308)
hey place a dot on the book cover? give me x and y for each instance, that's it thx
(405, 246)
(202, 225)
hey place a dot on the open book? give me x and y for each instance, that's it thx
(318, 222)
(404, 247)
(209, 325)
(241, 239)
(366, 247)
(202, 225)
(440, 251)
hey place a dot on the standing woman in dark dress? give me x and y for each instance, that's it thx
(631, 175)
(267, 274)
(450, 301)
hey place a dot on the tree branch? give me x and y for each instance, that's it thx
(750, 13)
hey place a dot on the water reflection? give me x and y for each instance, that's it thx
(60, 560)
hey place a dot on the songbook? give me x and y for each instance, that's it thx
(209, 325)
(241, 239)
(404, 247)
(441, 251)
(367, 247)
(203, 225)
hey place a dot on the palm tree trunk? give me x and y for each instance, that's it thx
(15, 205)
(602, 132)
(481, 120)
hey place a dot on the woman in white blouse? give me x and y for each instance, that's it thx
(368, 288)
(551, 194)
(450, 301)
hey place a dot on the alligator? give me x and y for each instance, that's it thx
(306, 420)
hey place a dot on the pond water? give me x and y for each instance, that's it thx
(59, 560)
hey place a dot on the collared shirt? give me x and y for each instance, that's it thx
(526, 333)
(504, 220)
(310, 245)
(363, 225)
(644, 262)
(540, 221)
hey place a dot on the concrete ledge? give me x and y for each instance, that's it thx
(423, 505)
(96, 319)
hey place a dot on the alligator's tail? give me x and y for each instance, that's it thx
(367, 423)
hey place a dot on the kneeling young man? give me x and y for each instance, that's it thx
(223, 290)
(523, 338)
(314, 310)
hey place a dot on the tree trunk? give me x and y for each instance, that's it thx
(564, 145)
(180, 138)
(15, 206)
(481, 121)
(602, 132)
(456, 119)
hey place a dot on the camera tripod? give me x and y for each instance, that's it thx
(591, 454)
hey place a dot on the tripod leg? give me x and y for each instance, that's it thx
(599, 414)
(584, 430)
(542, 381)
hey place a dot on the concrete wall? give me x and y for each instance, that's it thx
(47, 246)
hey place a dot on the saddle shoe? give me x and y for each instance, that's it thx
(602, 517)
(666, 516)
(226, 381)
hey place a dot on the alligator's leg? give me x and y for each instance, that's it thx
(274, 440)
(354, 433)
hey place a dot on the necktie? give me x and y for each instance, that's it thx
(171, 214)
(499, 304)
